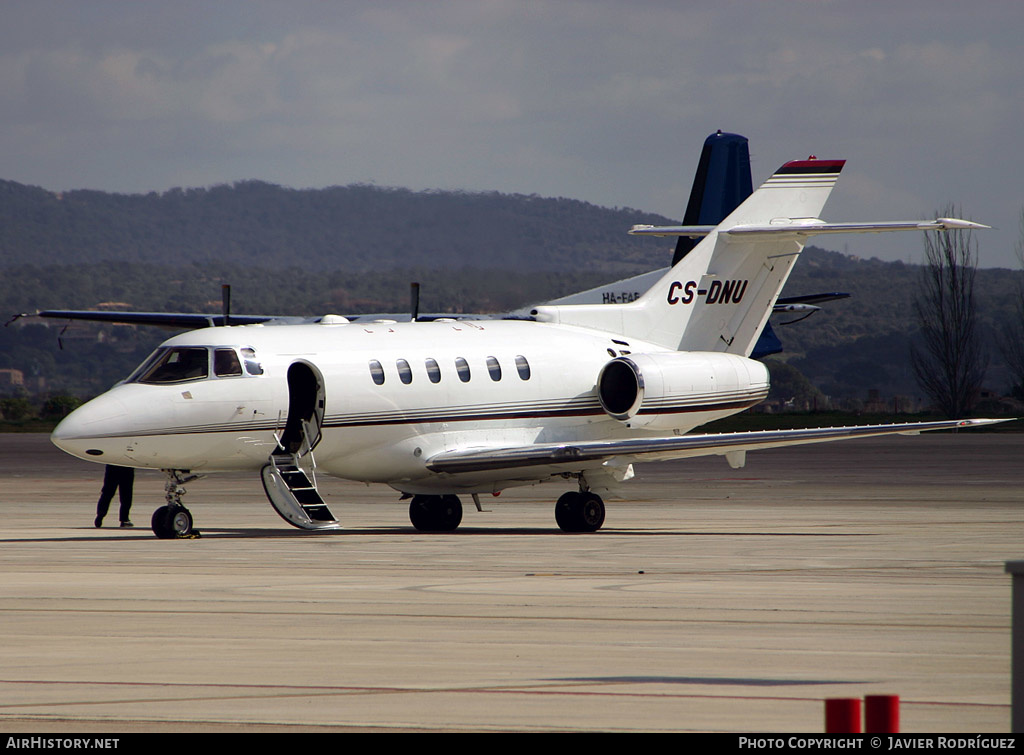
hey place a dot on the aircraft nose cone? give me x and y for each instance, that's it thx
(90, 427)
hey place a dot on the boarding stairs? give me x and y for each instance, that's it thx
(293, 493)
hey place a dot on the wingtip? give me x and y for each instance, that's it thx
(960, 224)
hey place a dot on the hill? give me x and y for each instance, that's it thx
(354, 228)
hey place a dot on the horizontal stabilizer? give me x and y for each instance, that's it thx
(809, 227)
(693, 231)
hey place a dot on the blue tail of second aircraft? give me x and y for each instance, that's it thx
(720, 185)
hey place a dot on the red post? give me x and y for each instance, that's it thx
(882, 714)
(842, 715)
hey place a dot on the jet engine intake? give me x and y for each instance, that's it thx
(672, 389)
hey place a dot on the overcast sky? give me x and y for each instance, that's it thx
(608, 102)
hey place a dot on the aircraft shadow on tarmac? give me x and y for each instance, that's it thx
(708, 680)
(258, 533)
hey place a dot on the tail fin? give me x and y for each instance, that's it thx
(721, 183)
(730, 300)
(719, 296)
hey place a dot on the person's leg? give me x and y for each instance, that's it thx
(126, 483)
(106, 494)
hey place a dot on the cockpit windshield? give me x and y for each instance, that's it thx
(178, 364)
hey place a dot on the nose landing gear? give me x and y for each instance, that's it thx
(174, 520)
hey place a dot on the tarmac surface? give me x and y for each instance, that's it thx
(712, 600)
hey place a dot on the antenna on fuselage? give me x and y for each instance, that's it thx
(225, 302)
(415, 301)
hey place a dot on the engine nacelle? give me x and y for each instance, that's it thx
(679, 389)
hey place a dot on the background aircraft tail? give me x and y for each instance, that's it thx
(719, 296)
(721, 183)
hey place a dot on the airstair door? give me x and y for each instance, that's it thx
(306, 403)
(290, 489)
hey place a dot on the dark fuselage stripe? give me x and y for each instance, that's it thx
(448, 418)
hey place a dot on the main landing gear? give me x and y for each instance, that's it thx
(435, 513)
(579, 512)
(574, 512)
(174, 520)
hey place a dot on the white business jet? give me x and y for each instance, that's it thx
(441, 408)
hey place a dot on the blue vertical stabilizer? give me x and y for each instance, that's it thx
(767, 343)
(721, 183)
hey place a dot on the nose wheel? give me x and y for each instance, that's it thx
(174, 520)
(170, 522)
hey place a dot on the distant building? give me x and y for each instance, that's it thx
(10, 377)
(875, 404)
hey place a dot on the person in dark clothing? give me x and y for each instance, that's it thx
(115, 478)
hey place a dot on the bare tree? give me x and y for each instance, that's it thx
(1013, 345)
(948, 363)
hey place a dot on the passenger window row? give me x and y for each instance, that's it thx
(434, 370)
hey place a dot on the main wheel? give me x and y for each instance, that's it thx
(449, 513)
(435, 513)
(567, 511)
(171, 521)
(591, 512)
(579, 512)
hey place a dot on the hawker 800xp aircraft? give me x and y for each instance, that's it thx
(574, 393)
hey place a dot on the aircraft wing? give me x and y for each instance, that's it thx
(591, 454)
(193, 321)
(175, 320)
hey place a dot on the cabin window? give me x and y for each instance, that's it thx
(404, 371)
(178, 365)
(225, 363)
(494, 368)
(377, 372)
(523, 367)
(251, 365)
(462, 367)
(433, 371)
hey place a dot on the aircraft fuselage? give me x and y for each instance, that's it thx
(392, 396)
